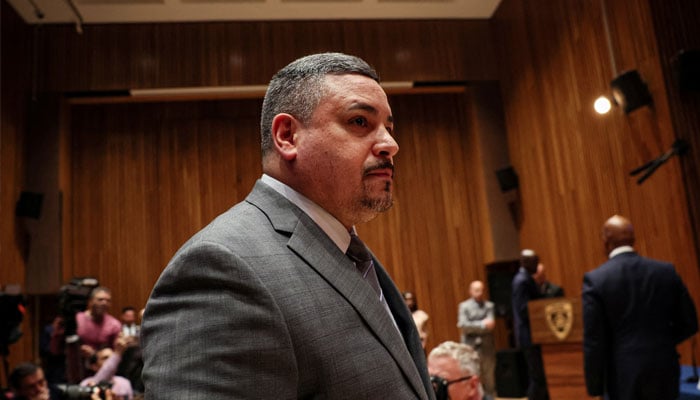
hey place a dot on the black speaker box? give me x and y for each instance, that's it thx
(499, 276)
(687, 65)
(29, 205)
(507, 179)
(511, 373)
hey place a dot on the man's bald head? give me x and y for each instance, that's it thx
(529, 260)
(476, 290)
(617, 231)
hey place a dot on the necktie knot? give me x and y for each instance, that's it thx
(357, 250)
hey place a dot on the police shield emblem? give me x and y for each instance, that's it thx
(560, 318)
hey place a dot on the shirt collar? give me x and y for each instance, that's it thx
(620, 250)
(328, 223)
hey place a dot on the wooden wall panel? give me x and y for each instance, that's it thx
(424, 50)
(16, 91)
(677, 29)
(574, 164)
(145, 177)
(133, 56)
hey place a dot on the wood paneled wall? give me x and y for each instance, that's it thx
(573, 163)
(677, 29)
(16, 94)
(134, 56)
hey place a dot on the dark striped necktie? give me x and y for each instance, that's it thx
(359, 253)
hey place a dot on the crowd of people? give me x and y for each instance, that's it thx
(279, 298)
(102, 357)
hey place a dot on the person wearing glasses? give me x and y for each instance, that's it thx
(454, 371)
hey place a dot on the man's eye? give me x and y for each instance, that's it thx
(359, 121)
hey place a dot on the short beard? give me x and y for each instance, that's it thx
(378, 205)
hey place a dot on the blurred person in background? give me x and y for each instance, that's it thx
(476, 321)
(454, 371)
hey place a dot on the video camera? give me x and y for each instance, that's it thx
(11, 316)
(75, 392)
(73, 298)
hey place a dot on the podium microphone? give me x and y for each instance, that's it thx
(693, 378)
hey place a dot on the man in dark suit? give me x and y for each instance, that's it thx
(635, 311)
(264, 303)
(524, 290)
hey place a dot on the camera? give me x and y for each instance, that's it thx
(74, 298)
(440, 387)
(75, 392)
(11, 316)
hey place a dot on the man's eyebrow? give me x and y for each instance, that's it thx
(363, 106)
(370, 109)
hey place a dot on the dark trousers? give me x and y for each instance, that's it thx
(537, 385)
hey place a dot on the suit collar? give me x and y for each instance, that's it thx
(621, 250)
(327, 222)
(321, 254)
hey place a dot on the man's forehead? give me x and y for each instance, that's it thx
(442, 363)
(37, 376)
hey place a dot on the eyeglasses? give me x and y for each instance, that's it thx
(440, 385)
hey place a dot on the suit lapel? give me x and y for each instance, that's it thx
(407, 326)
(310, 243)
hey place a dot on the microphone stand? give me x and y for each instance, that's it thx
(679, 147)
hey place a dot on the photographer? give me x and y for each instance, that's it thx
(95, 328)
(105, 362)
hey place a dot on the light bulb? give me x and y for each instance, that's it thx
(602, 105)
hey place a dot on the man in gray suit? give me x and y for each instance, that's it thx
(263, 303)
(476, 320)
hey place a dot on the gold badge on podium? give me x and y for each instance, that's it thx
(560, 318)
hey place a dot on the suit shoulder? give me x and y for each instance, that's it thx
(241, 227)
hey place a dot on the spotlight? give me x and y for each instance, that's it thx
(602, 105)
(630, 92)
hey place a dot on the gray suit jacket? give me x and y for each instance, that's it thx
(261, 304)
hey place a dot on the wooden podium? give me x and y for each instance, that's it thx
(556, 324)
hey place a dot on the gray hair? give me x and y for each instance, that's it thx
(467, 358)
(298, 88)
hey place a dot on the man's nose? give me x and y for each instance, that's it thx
(386, 145)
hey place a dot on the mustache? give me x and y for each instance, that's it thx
(382, 165)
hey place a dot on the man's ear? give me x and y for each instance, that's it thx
(284, 139)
